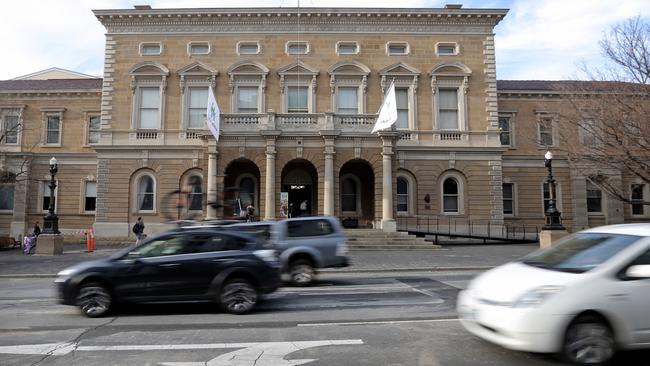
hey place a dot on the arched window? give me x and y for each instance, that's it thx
(349, 195)
(195, 198)
(402, 194)
(450, 196)
(146, 193)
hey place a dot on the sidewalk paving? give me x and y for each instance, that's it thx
(450, 257)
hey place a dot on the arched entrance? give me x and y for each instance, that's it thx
(242, 180)
(300, 180)
(357, 193)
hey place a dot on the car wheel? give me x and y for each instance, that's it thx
(238, 296)
(94, 299)
(302, 272)
(588, 341)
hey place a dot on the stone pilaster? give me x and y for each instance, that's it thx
(101, 208)
(387, 221)
(496, 191)
(580, 215)
(212, 179)
(269, 191)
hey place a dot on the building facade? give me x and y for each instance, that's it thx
(299, 91)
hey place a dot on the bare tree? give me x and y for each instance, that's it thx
(10, 131)
(605, 122)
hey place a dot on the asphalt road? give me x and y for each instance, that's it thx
(346, 319)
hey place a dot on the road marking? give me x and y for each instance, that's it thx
(378, 322)
(250, 354)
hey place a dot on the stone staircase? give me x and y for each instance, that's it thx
(374, 239)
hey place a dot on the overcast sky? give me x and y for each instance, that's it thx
(538, 39)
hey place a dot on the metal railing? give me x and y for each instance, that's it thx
(459, 227)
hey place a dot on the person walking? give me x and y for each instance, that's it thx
(37, 229)
(250, 212)
(303, 208)
(138, 230)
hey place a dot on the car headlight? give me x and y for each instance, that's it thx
(67, 272)
(536, 296)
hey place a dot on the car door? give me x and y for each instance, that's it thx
(633, 298)
(317, 234)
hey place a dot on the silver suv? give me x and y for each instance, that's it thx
(304, 243)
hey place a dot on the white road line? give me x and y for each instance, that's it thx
(378, 322)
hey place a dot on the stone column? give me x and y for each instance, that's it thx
(212, 179)
(387, 221)
(328, 192)
(269, 208)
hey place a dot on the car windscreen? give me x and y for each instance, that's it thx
(580, 252)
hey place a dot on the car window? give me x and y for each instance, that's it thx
(161, 247)
(643, 259)
(204, 243)
(580, 252)
(309, 228)
(234, 242)
(260, 231)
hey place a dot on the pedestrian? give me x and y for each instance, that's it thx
(291, 209)
(250, 212)
(37, 229)
(303, 208)
(138, 230)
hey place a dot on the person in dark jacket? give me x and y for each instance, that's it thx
(138, 230)
(37, 230)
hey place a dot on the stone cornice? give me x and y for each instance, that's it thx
(51, 93)
(310, 20)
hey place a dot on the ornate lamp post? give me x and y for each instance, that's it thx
(51, 220)
(553, 216)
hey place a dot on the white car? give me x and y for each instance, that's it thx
(585, 297)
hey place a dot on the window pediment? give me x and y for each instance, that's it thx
(400, 69)
(349, 68)
(451, 69)
(149, 68)
(198, 68)
(248, 67)
(298, 68)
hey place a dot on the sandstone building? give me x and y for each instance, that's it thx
(299, 90)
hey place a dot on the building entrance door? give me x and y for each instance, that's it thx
(299, 199)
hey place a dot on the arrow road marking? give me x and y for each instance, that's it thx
(261, 354)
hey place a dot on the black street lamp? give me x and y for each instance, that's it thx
(553, 216)
(51, 220)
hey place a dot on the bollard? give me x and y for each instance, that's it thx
(90, 240)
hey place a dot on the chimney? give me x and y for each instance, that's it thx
(142, 7)
(453, 6)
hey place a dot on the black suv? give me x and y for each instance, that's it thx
(231, 268)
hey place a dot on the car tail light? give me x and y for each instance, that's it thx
(342, 249)
(267, 255)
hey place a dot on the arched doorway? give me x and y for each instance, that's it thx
(242, 181)
(300, 180)
(357, 193)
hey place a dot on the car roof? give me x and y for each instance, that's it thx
(626, 229)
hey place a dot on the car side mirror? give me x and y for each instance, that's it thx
(638, 271)
(131, 258)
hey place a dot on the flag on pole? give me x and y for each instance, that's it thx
(213, 114)
(388, 111)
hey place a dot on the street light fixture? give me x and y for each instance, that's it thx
(51, 220)
(553, 216)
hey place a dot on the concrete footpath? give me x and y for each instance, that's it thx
(447, 258)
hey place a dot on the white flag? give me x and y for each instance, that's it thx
(213, 114)
(388, 111)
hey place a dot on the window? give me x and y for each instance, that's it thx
(45, 193)
(448, 110)
(150, 49)
(171, 245)
(195, 195)
(588, 132)
(146, 193)
(149, 108)
(196, 48)
(508, 199)
(298, 99)
(309, 228)
(594, 198)
(638, 198)
(90, 199)
(348, 100)
(546, 131)
(505, 131)
(148, 86)
(450, 196)
(197, 108)
(7, 196)
(402, 195)
(297, 48)
(247, 190)
(94, 126)
(402, 98)
(349, 195)
(347, 48)
(248, 48)
(10, 128)
(397, 48)
(53, 132)
(247, 97)
(250, 75)
(445, 49)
